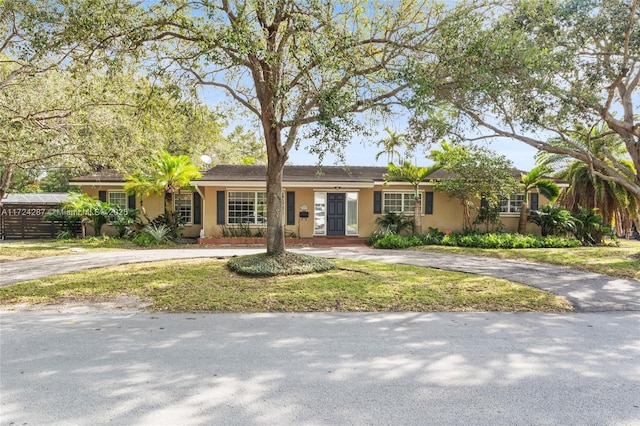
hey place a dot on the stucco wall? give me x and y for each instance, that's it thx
(447, 212)
(153, 205)
(302, 227)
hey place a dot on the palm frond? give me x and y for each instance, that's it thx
(548, 189)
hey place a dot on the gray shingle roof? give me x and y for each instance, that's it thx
(227, 172)
(250, 173)
(257, 173)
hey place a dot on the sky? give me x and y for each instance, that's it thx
(361, 153)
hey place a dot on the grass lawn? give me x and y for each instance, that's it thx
(208, 285)
(622, 261)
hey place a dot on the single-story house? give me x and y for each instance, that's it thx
(319, 202)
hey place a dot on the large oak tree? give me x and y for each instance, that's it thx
(296, 63)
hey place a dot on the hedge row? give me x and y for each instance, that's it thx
(394, 241)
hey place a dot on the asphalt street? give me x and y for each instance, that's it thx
(84, 367)
(128, 368)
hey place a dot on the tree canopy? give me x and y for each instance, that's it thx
(295, 64)
(615, 203)
(540, 70)
(475, 173)
(75, 96)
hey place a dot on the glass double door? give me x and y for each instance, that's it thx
(336, 213)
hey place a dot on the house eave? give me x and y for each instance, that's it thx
(383, 183)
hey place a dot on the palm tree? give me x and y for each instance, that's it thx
(168, 175)
(588, 190)
(89, 211)
(535, 179)
(391, 144)
(139, 185)
(413, 175)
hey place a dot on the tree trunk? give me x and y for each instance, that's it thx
(276, 159)
(417, 220)
(522, 222)
(468, 226)
(143, 211)
(168, 210)
(275, 227)
(5, 181)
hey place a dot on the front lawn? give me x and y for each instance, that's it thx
(208, 285)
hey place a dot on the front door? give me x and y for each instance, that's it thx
(335, 213)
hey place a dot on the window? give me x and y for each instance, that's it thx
(182, 204)
(247, 208)
(118, 199)
(511, 204)
(401, 202)
(352, 213)
(319, 213)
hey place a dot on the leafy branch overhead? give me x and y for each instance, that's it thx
(538, 72)
(293, 64)
(74, 97)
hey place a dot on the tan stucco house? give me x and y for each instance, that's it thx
(319, 202)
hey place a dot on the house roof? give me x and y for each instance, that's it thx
(36, 198)
(224, 174)
(315, 174)
(235, 173)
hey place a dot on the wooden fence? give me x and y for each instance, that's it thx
(24, 221)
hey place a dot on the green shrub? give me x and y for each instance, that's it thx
(488, 241)
(69, 224)
(395, 223)
(144, 240)
(553, 220)
(384, 238)
(153, 234)
(126, 221)
(590, 229)
(65, 235)
(391, 241)
(378, 234)
(174, 227)
(265, 265)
